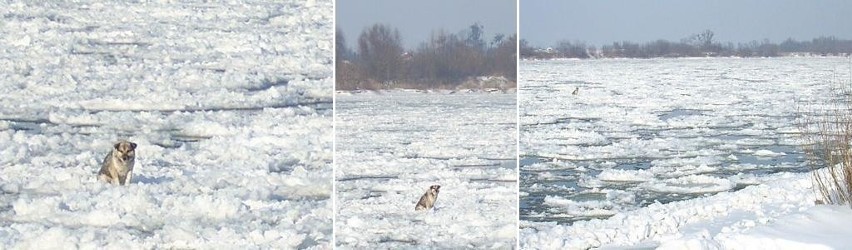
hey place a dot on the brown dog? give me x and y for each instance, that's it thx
(428, 199)
(118, 164)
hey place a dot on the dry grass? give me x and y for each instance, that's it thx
(827, 133)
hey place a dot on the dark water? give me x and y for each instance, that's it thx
(543, 177)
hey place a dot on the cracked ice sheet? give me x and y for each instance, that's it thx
(392, 145)
(659, 129)
(229, 104)
(721, 124)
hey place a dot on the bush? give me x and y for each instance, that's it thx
(827, 133)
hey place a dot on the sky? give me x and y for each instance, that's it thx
(415, 20)
(545, 23)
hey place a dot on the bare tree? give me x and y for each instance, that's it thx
(347, 75)
(340, 49)
(572, 50)
(474, 36)
(526, 49)
(380, 51)
(505, 58)
(445, 60)
(705, 38)
(497, 39)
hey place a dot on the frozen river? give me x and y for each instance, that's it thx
(658, 130)
(392, 145)
(230, 106)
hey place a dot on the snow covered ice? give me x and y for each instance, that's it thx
(693, 153)
(392, 145)
(230, 105)
(779, 213)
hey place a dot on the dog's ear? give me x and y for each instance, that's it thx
(132, 146)
(115, 146)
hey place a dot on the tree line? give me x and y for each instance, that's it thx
(446, 60)
(697, 45)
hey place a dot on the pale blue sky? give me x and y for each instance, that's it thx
(544, 23)
(416, 19)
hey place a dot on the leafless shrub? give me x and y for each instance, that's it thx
(827, 133)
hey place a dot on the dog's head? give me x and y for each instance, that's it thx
(125, 150)
(435, 189)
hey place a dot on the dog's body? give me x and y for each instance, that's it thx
(428, 199)
(118, 164)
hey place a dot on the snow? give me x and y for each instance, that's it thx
(767, 153)
(230, 105)
(820, 227)
(392, 145)
(779, 213)
(673, 154)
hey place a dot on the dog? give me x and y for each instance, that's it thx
(428, 199)
(118, 164)
(576, 91)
